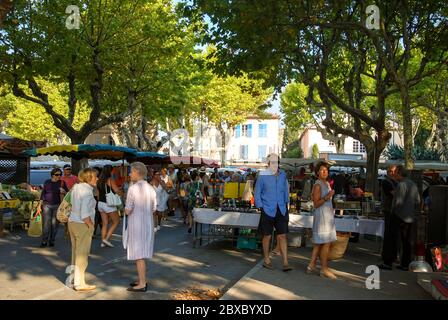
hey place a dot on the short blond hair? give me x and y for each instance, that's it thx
(87, 174)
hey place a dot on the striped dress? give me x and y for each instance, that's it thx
(141, 200)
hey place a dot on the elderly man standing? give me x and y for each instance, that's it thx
(405, 203)
(272, 197)
(388, 186)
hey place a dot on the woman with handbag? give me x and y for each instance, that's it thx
(51, 197)
(162, 198)
(108, 199)
(140, 205)
(81, 225)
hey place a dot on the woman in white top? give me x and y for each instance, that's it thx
(80, 225)
(108, 213)
(162, 198)
(140, 205)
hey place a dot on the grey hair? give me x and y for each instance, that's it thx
(273, 156)
(140, 168)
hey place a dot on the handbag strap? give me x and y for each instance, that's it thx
(110, 188)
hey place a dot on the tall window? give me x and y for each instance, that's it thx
(358, 147)
(262, 130)
(262, 151)
(244, 152)
(246, 130)
(238, 131)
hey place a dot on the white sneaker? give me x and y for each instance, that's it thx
(107, 243)
(158, 228)
(155, 229)
(103, 245)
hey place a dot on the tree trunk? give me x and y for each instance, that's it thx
(407, 127)
(442, 136)
(373, 158)
(223, 146)
(430, 142)
(78, 165)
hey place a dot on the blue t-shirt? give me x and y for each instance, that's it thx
(272, 191)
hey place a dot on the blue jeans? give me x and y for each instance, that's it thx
(50, 223)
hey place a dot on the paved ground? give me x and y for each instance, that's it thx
(30, 272)
(261, 283)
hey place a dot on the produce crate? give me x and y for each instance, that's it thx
(244, 242)
(247, 239)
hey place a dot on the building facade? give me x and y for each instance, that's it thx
(251, 141)
(311, 136)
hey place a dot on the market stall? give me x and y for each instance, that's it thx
(14, 171)
(85, 151)
(150, 158)
(229, 220)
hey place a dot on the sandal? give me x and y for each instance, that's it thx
(310, 270)
(85, 288)
(268, 265)
(277, 253)
(328, 275)
(287, 268)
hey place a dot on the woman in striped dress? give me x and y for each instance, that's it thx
(140, 205)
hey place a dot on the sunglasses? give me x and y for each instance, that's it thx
(57, 174)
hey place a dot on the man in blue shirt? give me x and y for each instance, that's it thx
(272, 197)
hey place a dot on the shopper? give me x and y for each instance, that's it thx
(405, 203)
(81, 225)
(140, 204)
(52, 194)
(69, 179)
(197, 197)
(324, 229)
(184, 189)
(272, 197)
(172, 186)
(162, 198)
(388, 186)
(109, 214)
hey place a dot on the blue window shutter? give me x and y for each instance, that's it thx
(261, 152)
(249, 131)
(262, 130)
(244, 152)
(238, 131)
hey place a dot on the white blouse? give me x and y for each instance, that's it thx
(83, 203)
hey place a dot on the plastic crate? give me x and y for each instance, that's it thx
(246, 243)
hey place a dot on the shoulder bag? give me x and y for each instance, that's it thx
(112, 199)
(65, 208)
